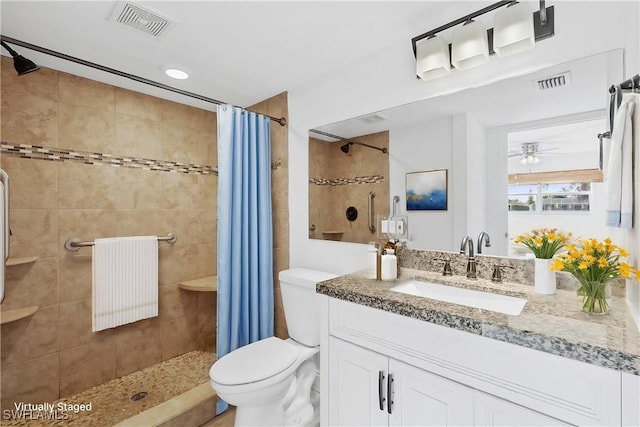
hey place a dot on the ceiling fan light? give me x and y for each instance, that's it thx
(432, 58)
(513, 31)
(529, 159)
(470, 47)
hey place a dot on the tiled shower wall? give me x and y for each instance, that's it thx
(54, 353)
(339, 180)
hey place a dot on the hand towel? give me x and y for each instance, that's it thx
(125, 280)
(620, 166)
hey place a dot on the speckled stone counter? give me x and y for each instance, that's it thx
(552, 323)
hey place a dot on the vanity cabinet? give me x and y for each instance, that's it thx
(367, 388)
(445, 376)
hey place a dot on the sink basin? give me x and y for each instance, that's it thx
(468, 297)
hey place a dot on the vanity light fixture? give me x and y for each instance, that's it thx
(432, 58)
(513, 30)
(516, 30)
(470, 46)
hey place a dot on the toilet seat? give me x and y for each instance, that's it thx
(254, 362)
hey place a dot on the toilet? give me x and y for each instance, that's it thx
(269, 381)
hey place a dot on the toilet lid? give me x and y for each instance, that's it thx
(254, 362)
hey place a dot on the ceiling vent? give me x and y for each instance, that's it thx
(140, 19)
(552, 82)
(373, 118)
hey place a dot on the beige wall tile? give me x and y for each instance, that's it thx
(86, 366)
(76, 90)
(29, 119)
(30, 337)
(207, 320)
(177, 262)
(76, 324)
(88, 225)
(32, 284)
(179, 336)
(176, 303)
(33, 381)
(23, 173)
(182, 191)
(94, 187)
(207, 225)
(86, 128)
(207, 259)
(137, 346)
(156, 109)
(43, 84)
(208, 191)
(74, 276)
(34, 232)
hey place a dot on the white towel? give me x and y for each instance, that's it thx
(620, 167)
(125, 280)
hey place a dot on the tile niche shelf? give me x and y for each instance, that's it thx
(17, 314)
(20, 261)
(7, 316)
(206, 284)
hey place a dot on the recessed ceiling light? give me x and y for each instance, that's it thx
(176, 73)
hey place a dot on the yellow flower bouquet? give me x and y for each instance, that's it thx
(594, 263)
(543, 242)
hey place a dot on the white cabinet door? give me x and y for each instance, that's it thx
(493, 411)
(354, 385)
(420, 398)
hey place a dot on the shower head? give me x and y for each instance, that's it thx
(345, 147)
(20, 63)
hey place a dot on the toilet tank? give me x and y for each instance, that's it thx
(301, 303)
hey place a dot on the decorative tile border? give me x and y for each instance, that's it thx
(373, 179)
(38, 152)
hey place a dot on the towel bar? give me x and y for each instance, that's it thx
(75, 244)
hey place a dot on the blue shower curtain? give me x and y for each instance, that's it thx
(245, 237)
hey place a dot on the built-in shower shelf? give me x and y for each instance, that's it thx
(332, 235)
(206, 284)
(19, 261)
(7, 316)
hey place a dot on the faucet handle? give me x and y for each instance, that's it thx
(497, 272)
(446, 271)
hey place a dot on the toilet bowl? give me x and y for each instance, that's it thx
(269, 381)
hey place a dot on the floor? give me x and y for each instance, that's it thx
(112, 402)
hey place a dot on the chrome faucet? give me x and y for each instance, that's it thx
(471, 259)
(483, 236)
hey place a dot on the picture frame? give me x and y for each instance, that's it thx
(427, 190)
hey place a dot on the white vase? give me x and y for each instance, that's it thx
(545, 279)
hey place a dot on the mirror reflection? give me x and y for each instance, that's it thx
(519, 153)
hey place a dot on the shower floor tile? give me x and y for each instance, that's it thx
(111, 402)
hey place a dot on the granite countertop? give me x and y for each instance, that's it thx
(552, 323)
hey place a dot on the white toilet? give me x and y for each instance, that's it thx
(269, 381)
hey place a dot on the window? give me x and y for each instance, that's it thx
(559, 197)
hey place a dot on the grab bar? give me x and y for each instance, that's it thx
(75, 244)
(372, 227)
(4, 178)
(6, 232)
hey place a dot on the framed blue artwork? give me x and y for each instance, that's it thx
(427, 190)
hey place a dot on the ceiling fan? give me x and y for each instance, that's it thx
(530, 152)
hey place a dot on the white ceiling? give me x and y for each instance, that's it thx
(238, 52)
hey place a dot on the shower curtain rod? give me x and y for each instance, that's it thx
(351, 141)
(282, 120)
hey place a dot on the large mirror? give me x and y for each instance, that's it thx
(519, 153)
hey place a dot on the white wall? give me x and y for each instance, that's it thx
(387, 79)
(424, 147)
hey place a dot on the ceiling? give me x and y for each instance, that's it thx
(238, 52)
